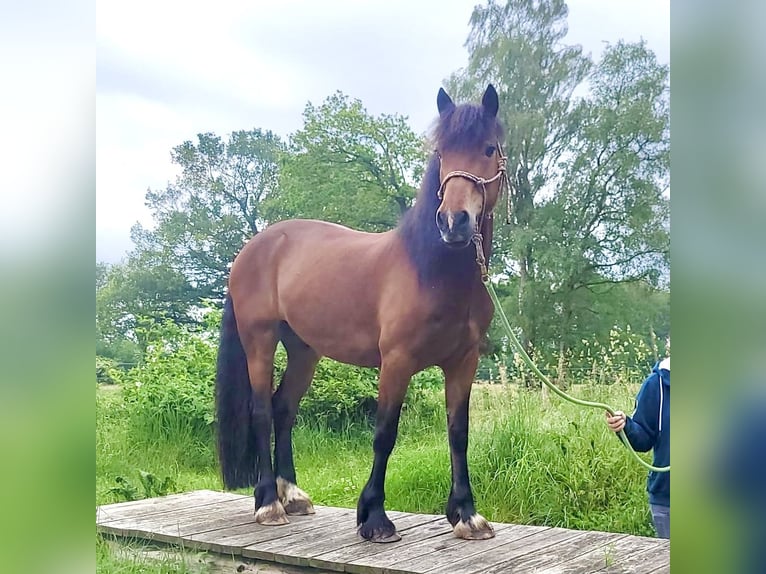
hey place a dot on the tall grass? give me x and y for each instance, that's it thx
(533, 460)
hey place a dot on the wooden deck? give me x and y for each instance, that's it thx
(223, 523)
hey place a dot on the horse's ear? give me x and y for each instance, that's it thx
(489, 101)
(443, 102)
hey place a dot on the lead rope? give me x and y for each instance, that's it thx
(481, 261)
(533, 367)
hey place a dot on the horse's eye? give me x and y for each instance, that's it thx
(489, 151)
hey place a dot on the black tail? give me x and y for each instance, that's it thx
(236, 448)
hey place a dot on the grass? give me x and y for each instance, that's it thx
(129, 560)
(533, 460)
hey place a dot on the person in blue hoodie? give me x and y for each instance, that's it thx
(649, 429)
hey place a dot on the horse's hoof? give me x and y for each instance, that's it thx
(386, 539)
(383, 532)
(271, 515)
(294, 500)
(475, 528)
(380, 537)
(299, 507)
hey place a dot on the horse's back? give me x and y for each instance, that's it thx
(325, 280)
(304, 249)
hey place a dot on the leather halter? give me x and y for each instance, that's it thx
(481, 184)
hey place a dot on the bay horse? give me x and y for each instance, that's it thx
(403, 300)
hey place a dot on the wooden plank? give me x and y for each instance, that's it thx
(442, 551)
(319, 553)
(173, 525)
(554, 553)
(319, 541)
(367, 553)
(235, 539)
(642, 562)
(595, 559)
(224, 523)
(109, 512)
(483, 562)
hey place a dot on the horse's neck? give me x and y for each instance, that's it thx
(437, 265)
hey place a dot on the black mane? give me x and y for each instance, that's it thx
(465, 128)
(462, 128)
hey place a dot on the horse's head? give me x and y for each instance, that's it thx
(472, 169)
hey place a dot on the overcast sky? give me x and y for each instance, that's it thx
(169, 69)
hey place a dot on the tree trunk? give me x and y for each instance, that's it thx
(566, 319)
(562, 366)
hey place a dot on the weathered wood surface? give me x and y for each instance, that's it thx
(223, 523)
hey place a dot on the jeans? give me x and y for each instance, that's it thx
(661, 519)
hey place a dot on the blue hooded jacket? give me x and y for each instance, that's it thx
(649, 428)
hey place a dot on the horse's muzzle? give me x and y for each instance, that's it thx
(455, 228)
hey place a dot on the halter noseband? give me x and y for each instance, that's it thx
(481, 184)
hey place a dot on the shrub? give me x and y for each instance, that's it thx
(343, 396)
(339, 396)
(107, 371)
(424, 403)
(172, 391)
(626, 358)
(429, 379)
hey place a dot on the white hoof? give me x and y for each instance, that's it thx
(475, 528)
(294, 500)
(271, 515)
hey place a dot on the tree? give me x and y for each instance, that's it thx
(588, 174)
(349, 167)
(134, 295)
(608, 221)
(205, 217)
(518, 47)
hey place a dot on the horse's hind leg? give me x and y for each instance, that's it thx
(259, 343)
(301, 361)
(466, 522)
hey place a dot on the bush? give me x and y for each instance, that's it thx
(172, 391)
(626, 359)
(107, 371)
(343, 396)
(424, 403)
(430, 379)
(340, 396)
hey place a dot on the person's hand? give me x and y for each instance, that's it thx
(616, 422)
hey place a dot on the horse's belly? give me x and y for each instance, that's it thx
(341, 340)
(360, 358)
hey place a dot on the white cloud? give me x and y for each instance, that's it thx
(170, 69)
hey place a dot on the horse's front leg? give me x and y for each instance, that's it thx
(458, 378)
(371, 517)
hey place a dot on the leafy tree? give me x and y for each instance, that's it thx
(132, 296)
(204, 218)
(518, 47)
(609, 219)
(588, 174)
(348, 166)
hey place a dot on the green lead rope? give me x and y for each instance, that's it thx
(525, 357)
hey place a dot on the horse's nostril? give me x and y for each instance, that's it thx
(441, 221)
(461, 219)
